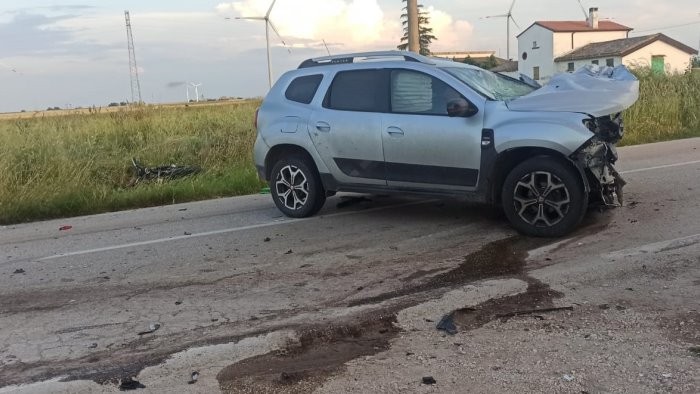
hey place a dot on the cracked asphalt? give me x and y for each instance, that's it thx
(231, 279)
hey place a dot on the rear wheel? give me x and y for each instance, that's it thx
(296, 187)
(543, 197)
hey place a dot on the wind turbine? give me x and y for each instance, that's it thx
(268, 25)
(196, 90)
(583, 9)
(509, 17)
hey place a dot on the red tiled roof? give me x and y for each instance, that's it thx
(576, 26)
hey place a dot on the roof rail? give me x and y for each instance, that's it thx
(350, 58)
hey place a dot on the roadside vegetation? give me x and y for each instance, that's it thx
(58, 166)
(668, 108)
(76, 164)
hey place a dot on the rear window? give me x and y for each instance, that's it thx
(361, 90)
(303, 89)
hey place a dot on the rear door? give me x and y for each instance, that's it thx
(424, 148)
(346, 129)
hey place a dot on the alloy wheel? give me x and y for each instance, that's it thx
(292, 187)
(541, 199)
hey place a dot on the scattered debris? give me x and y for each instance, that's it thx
(142, 173)
(620, 307)
(348, 201)
(130, 384)
(178, 302)
(92, 346)
(568, 377)
(193, 377)
(153, 327)
(534, 311)
(604, 307)
(429, 380)
(20, 271)
(289, 252)
(667, 375)
(65, 228)
(267, 239)
(265, 190)
(447, 324)
(695, 351)
(188, 233)
(182, 209)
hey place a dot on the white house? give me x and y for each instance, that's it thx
(660, 52)
(550, 47)
(543, 41)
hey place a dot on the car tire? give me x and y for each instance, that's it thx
(543, 197)
(296, 187)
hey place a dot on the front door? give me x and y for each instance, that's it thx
(424, 148)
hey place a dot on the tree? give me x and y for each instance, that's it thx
(425, 33)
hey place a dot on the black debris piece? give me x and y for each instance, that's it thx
(178, 302)
(429, 380)
(128, 384)
(267, 239)
(289, 252)
(447, 324)
(20, 271)
(188, 233)
(182, 209)
(193, 377)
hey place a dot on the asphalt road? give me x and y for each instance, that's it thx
(232, 278)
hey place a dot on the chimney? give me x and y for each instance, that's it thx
(593, 17)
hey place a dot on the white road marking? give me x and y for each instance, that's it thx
(657, 247)
(687, 163)
(222, 231)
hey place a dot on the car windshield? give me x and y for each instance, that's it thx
(493, 86)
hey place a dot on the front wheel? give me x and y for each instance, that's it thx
(543, 197)
(296, 187)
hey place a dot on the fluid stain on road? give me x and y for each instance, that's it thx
(323, 352)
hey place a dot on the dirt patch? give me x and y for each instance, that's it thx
(305, 365)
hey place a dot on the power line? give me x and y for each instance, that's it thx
(133, 67)
(667, 27)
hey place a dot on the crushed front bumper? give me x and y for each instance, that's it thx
(596, 159)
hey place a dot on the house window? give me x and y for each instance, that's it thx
(610, 62)
(536, 73)
(594, 62)
(570, 67)
(657, 65)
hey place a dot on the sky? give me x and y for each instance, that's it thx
(73, 53)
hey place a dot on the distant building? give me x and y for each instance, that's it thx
(657, 51)
(461, 55)
(543, 41)
(509, 68)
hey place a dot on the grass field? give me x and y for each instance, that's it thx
(72, 163)
(77, 164)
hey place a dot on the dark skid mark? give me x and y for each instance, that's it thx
(304, 366)
(502, 258)
(537, 296)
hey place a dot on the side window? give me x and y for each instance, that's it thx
(303, 89)
(417, 93)
(610, 62)
(360, 90)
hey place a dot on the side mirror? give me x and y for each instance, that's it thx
(461, 108)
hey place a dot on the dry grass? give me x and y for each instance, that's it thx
(80, 163)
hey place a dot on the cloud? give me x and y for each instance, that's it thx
(350, 24)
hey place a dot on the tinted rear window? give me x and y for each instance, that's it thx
(361, 90)
(303, 89)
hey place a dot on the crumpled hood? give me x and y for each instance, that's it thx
(594, 90)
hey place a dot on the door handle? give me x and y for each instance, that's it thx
(393, 130)
(323, 126)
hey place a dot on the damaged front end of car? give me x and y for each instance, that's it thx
(596, 158)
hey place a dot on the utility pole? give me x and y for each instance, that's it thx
(133, 67)
(413, 33)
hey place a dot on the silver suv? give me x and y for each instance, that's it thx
(397, 122)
